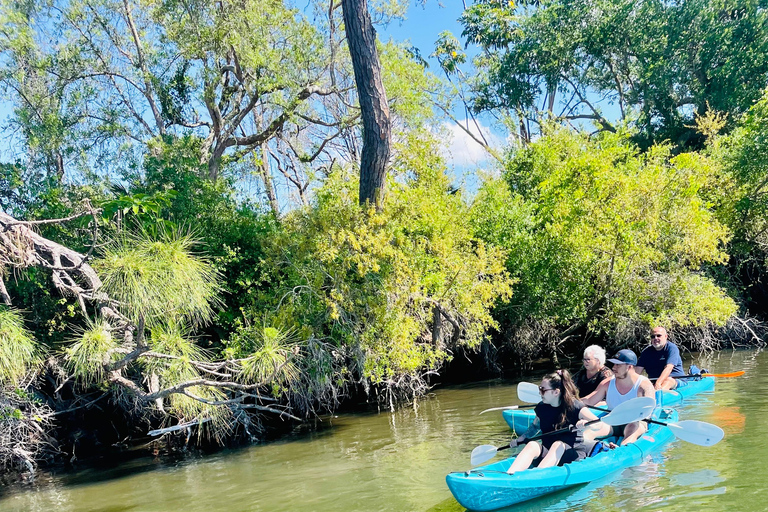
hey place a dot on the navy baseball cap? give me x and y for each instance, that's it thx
(624, 356)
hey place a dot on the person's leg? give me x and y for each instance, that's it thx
(553, 454)
(525, 457)
(578, 452)
(594, 432)
(633, 431)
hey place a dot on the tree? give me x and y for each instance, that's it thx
(604, 238)
(395, 292)
(361, 38)
(657, 63)
(149, 293)
(243, 76)
(742, 201)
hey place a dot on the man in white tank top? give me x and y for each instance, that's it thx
(625, 385)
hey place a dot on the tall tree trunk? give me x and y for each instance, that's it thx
(266, 177)
(361, 39)
(551, 93)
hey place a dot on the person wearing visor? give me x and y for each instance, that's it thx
(625, 385)
(661, 361)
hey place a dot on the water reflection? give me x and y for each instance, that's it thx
(397, 462)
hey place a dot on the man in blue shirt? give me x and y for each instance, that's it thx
(661, 361)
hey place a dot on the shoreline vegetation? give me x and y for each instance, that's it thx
(200, 247)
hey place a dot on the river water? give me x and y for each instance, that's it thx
(397, 462)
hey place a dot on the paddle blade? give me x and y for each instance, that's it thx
(697, 432)
(528, 392)
(635, 409)
(482, 453)
(707, 374)
(732, 374)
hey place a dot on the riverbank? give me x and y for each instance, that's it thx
(392, 462)
(100, 435)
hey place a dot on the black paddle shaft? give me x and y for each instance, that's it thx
(545, 434)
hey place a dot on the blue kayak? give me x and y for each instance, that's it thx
(490, 487)
(520, 419)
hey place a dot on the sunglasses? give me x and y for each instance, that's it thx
(657, 336)
(543, 390)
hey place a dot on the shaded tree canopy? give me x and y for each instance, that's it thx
(658, 64)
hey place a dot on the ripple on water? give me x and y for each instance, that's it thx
(397, 462)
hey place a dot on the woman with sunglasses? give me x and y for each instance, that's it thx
(559, 408)
(594, 372)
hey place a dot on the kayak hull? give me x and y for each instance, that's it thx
(489, 487)
(520, 419)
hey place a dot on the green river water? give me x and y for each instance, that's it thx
(398, 462)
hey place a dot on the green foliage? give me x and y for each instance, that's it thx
(158, 278)
(368, 282)
(679, 299)
(145, 209)
(449, 53)
(88, 354)
(230, 232)
(19, 353)
(409, 87)
(196, 402)
(659, 62)
(12, 200)
(744, 154)
(94, 82)
(268, 356)
(27, 193)
(58, 115)
(284, 48)
(599, 234)
(173, 340)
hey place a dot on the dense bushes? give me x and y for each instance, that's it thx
(601, 236)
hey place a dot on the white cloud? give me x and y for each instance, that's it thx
(461, 149)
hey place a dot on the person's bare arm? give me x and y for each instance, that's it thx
(665, 374)
(598, 394)
(639, 369)
(533, 429)
(646, 389)
(586, 414)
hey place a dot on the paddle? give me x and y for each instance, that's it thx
(732, 374)
(528, 392)
(627, 412)
(508, 407)
(694, 431)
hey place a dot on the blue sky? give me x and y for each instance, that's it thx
(421, 28)
(424, 23)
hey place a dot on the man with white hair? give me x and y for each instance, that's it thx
(594, 372)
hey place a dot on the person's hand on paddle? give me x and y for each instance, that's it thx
(583, 425)
(517, 441)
